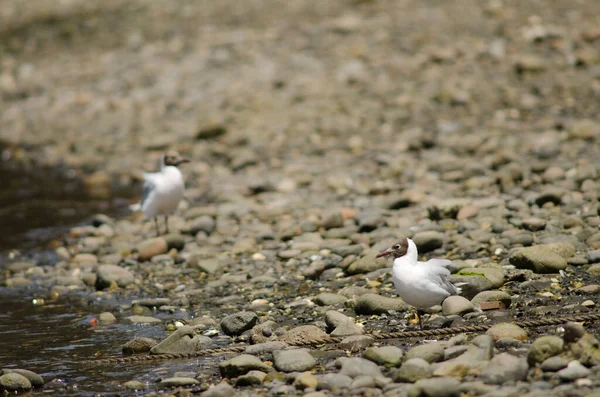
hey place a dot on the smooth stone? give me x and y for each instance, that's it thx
(366, 264)
(428, 241)
(594, 269)
(299, 335)
(586, 349)
(204, 223)
(14, 381)
(183, 340)
(547, 258)
(306, 380)
(480, 350)
(507, 330)
(430, 352)
(35, 379)
(329, 299)
(436, 387)
(107, 274)
(266, 347)
(376, 304)
(554, 364)
(340, 325)
(237, 323)
(333, 219)
(389, 356)
(252, 378)
(356, 366)
(356, 342)
(139, 345)
(107, 318)
(476, 388)
(293, 360)
(151, 247)
(543, 348)
(134, 385)
(503, 368)
(574, 371)
(84, 258)
(494, 275)
(178, 382)
(223, 389)
(456, 304)
(20, 266)
(454, 351)
(491, 296)
(451, 368)
(334, 382)
(241, 365)
(141, 320)
(534, 224)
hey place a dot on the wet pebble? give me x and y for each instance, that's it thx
(293, 360)
(235, 324)
(109, 274)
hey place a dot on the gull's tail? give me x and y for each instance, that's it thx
(457, 287)
(136, 207)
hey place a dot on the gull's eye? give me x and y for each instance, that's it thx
(397, 246)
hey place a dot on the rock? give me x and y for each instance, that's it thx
(430, 352)
(329, 299)
(14, 381)
(476, 280)
(252, 378)
(223, 389)
(553, 364)
(451, 368)
(480, 350)
(412, 370)
(107, 318)
(151, 247)
(82, 258)
(491, 296)
(457, 305)
(594, 269)
(134, 385)
(389, 356)
(35, 379)
(204, 223)
(549, 258)
(356, 366)
(178, 382)
(303, 333)
(507, 330)
(341, 325)
(141, 320)
(573, 332)
(494, 275)
(333, 382)
(306, 380)
(573, 371)
(107, 274)
(586, 349)
(293, 360)
(174, 241)
(332, 220)
(366, 264)
(428, 241)
(466, 212)
(241, 365)
(98, 185)
(369, 220)
(356, 342)
(266, 347)
(376, 304)
(534, 224)
(436, 387)
(543, 348)
(235, 324)
(503, 368)
(139, 345)
(183, 341)
(210, 129)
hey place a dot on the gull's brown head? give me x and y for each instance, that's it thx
(174, 158)
(397, 250)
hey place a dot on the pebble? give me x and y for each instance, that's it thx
(389, 356)
(574, 370)
(340, 325)
(554, 364)
(436, 387)
(430, 352)
(507, 330)
(356, 366)
(306, 380)
(151, 247)
(106, 275)
(252, 378)
(178, 382)
(376, 304)
(366, 264)
(241, 365)
(139, 345)
(543, 348)
(457, 305)
(141, 320)
(329, 299)
(204, 223)
(490, 296)
(107, 318)
(14, 381)
(223, 389)
(548, 258)
(504, 368)
(333, 382)
(293, 360)
(35, 379)
(428, 241)
(235, 324)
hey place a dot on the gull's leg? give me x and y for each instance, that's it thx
(419, 316)
(167, 223)
(157, 228)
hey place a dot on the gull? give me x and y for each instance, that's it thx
(162, 190)
(420, 284)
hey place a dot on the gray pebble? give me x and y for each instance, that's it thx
(293, 360)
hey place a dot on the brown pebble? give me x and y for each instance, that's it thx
(573, 331)
(492, 305)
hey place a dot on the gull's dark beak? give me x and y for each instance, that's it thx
(384, 253)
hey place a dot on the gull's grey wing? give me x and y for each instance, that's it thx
(439, 262)
(148, 187)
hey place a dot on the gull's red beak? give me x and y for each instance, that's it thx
(384, 253)
(182, 160)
